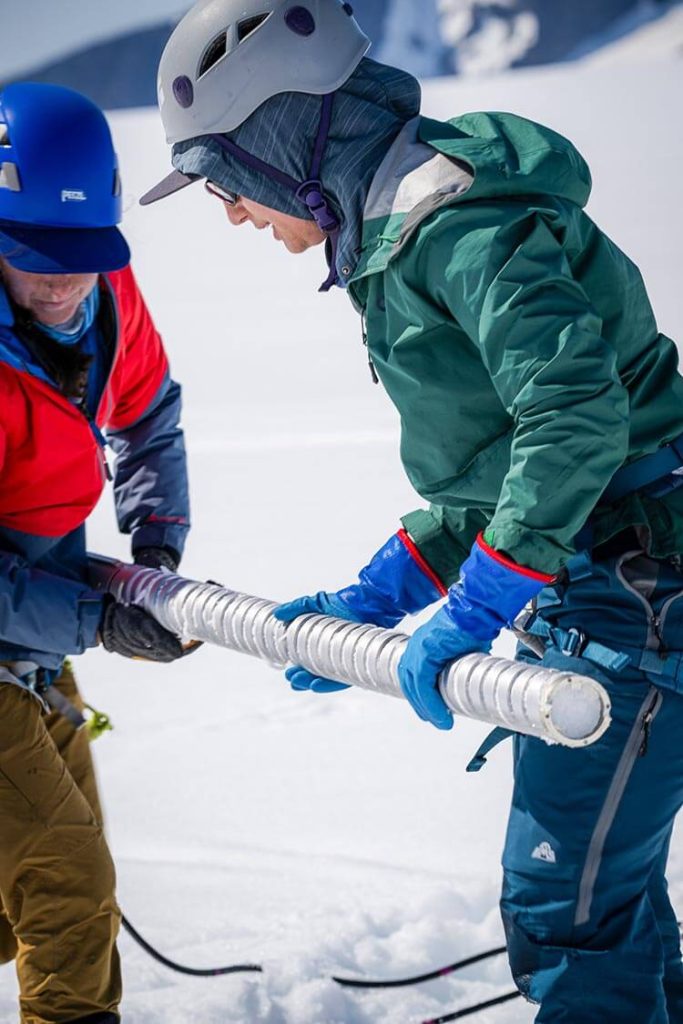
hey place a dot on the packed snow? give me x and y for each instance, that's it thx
(319, 834)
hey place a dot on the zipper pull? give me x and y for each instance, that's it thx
(647, 721)
(107, 468)
(371, 365)
(657, 629)
(102, 444)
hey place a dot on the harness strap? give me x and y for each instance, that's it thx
(576, 644)
(579, 567)
(667, 665)
(58, 702)
(495, 737)
(37, 681)
(660, 472)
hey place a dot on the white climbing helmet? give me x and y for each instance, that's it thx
(226, 57)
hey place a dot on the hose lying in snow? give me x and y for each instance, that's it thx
(560, 707)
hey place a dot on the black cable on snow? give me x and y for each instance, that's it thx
(475, 1008)
(212, 972)
(428, 976)
(197, 972)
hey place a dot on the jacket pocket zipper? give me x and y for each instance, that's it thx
(648, 717)
(654, 640)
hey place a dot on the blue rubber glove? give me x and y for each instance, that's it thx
(491, 591)
(396, 582)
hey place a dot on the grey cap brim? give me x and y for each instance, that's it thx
(173, 182)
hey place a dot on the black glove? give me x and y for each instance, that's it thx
(130, 631)
(157, 558)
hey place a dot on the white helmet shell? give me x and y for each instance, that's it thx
(227, 57)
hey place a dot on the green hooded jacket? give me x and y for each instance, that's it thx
(516, 341)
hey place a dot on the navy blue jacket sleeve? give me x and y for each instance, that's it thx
(40, 612)
(150, 478)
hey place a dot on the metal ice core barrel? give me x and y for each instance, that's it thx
(560, 707)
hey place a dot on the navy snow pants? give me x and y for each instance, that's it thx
(590, 930)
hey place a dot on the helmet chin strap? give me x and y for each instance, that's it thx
(309, 192)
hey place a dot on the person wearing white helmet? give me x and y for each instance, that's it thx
(542, 419)
(227, 61)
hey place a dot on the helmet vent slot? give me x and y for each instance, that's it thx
(9, 177)
(216, 49)
(249, 25)
(4, 135)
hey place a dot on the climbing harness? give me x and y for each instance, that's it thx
(38, 682)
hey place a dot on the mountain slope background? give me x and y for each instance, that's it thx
(429, 38)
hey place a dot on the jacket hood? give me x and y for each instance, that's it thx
(511, 156)
(477, 156)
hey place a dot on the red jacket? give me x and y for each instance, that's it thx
(52, 461)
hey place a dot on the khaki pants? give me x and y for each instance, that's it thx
(58, 914)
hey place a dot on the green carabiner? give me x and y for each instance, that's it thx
(97, 723)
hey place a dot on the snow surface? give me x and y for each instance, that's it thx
(319, 834)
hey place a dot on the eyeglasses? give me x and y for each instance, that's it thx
(231, 198)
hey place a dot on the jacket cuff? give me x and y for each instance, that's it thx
(421, 562)
(526, 546)
(160, 535)
(436, 546)
(508, 563)
(90, 615)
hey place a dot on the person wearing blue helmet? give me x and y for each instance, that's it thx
(82, 369)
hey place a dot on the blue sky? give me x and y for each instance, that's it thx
(33, 31)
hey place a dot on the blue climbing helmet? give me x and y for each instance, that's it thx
(60, 192)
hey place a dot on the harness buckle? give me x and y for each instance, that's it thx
(37, 681)
(524, 620)
(574, 643)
